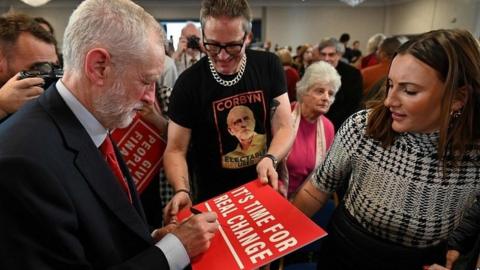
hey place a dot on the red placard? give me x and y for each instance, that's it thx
(142, 149)
(257, 226)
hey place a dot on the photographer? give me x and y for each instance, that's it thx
(23, 44)
(188, 49)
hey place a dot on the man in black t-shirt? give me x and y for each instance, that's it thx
(228, 77)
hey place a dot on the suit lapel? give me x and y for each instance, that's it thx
(91, 165)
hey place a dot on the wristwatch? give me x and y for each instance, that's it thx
(273, 158)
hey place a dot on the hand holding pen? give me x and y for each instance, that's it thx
(197, 231)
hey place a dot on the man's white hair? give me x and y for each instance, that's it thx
(119, 26)
(317, 72)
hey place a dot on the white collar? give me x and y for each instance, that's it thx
(94, 129)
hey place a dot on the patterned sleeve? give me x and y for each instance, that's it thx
(163, 94)
(337, 165)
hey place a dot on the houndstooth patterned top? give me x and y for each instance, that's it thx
(399, 193)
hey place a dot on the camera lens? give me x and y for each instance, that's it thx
(49, 72)
(193, 42)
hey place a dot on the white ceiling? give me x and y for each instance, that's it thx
(257, 3)
(254, 3)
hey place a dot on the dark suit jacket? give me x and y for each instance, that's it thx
(60, 205)
(348, 98)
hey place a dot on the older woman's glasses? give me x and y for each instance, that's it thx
(232, 49)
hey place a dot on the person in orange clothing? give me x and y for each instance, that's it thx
(372, 74)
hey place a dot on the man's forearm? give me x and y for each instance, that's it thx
(176, 170)
(282, 142)
(282, 129)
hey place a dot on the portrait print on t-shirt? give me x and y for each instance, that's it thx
(240, 124)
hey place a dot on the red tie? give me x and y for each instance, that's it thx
(107, 150)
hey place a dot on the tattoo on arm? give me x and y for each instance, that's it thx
(313, 196)
(273, 108)
(185, 181)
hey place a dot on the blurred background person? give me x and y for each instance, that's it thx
(315, 53)
(385, 54)
(413, 160)
(291, 74)
(347, 51)
(24, 44)
(166, 82)
(370, 58)
(313, 131)
(303, 58)
(348, 98)
(189, 49)
(267, 45)
(356, 54)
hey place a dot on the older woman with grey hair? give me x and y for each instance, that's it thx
(314, 132)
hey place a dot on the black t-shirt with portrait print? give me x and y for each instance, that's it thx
(200, 103)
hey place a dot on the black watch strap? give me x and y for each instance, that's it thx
(273, 158)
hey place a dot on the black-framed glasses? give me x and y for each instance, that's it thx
(232, 48)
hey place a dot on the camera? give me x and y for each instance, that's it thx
(193, 42)
(49, 72)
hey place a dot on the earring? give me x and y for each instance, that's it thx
(456, 114)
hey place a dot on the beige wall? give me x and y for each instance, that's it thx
(424, 15)
(58, 17)
(294, 25)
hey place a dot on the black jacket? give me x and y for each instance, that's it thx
(348, 97)
(464, 236)
(60, 205)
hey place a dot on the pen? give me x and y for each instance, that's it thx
(195, 211)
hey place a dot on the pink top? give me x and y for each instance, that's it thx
(301, 160)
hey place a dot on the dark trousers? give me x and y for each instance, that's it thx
(350, 246)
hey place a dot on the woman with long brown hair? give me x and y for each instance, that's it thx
(413, 160)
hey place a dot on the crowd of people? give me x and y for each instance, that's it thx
(393, 135)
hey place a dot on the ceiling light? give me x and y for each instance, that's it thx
(352, 2)
(35, 3)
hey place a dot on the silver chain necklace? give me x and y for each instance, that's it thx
(233, 81)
